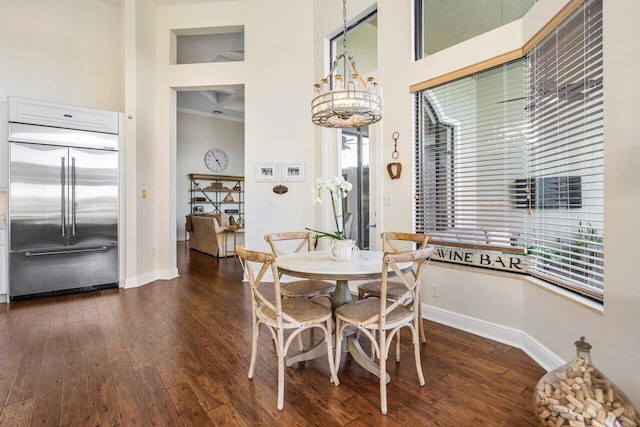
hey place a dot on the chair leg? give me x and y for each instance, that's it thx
(332, 366)
(423, 337)
(254, 348)
(416, 350)
(398, 347)
(338, 346)
(383, 372)
(280, 345)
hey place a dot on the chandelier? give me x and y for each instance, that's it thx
(345, 100)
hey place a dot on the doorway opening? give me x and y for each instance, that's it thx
(354, 163)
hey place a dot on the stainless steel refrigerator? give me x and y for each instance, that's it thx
(63, 210)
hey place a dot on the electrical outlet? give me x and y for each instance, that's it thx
(435, 290)
(271, 201)
(387, 200)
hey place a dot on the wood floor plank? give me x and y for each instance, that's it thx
(17, 414)
(8, 371)
(75, 392)
(47, 407)
(131, 406)
(113, 341)
(188, 406)
(177, 352)
(226, 415)
(161, 409)
(27, 371)
(207, 392)
(92, 333)
(102, 410)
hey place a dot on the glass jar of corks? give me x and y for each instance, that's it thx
(577, 394)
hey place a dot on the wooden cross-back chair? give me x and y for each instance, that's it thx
(381, 318)
(299, 241)
(393, 242)
(279, 314)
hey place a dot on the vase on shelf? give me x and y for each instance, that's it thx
(343, 250)
(577, 393)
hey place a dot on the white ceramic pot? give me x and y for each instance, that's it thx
(343, 250)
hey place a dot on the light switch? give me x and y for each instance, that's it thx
(388, 201)
(271, 201)
(144, 194)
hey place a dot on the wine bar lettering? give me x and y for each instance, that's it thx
(496, 261)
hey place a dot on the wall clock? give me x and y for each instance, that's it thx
(216, 160)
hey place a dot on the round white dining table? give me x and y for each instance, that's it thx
(319, 265)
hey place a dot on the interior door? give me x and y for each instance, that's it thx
(38, 199)
(93, 197)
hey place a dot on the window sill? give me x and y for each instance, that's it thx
(594, 306)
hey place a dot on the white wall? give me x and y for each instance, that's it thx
(66, 51)
(195, 136)
(277, 125)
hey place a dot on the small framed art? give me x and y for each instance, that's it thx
(267, 172)
(293, 171)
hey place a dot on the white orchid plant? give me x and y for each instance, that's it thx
(337, 187)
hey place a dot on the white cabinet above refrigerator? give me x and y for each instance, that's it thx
(31, 111)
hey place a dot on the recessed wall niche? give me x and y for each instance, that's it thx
(204, 45)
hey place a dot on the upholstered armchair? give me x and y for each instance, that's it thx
(206, 234)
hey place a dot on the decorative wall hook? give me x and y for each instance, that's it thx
(394, 170)
(395, 154)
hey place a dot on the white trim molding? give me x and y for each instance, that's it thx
(134, 282)
(493, 331)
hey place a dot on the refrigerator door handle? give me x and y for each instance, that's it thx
(73, 196)
(62, 197)
(75, 251)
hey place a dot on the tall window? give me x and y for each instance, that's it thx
(511, 159)
(362, 42)
(440, 24)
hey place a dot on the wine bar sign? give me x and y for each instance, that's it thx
(494, 260)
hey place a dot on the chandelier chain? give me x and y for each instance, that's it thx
(344, 20)
(345, 100)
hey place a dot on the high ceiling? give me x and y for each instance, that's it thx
(220, 102)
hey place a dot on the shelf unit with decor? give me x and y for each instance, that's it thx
(218, 194)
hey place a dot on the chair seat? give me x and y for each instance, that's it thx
(304, 311)
(306, 288)
(362, 310)
(394, 289)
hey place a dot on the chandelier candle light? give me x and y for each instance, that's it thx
(345, 100)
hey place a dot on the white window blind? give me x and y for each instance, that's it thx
(511, 158)
(470, 157)
(565, 231)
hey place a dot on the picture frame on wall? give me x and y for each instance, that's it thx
(293, 171)
(267, 172)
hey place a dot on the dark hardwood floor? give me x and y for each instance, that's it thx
(177, 353)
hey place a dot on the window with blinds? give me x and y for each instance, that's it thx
(511, 159)
(471, 141)
(565, 230)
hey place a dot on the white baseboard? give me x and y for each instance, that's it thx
(134, 282)
(493, 331)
